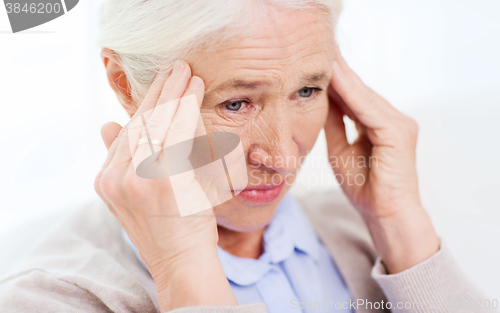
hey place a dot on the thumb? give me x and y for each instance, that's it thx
(109, 132)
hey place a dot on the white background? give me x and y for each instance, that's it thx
(436, 60)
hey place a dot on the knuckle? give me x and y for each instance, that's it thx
(97, 184)
(406, 126)
(412, 126)
(130, 183)
(372, 99)
(108, 183)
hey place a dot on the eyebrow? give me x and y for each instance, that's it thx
(255, 84)
(314, 78)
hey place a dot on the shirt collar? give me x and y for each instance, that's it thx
(291, 225)
(288, 232)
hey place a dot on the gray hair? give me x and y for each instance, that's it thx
(144, 34)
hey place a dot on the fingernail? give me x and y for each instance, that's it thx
(178, 68)
(195, 82)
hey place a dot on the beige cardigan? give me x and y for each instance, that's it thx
(77, 261)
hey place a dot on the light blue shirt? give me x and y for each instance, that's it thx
(294, 274)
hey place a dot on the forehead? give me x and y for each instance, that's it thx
(283, 47)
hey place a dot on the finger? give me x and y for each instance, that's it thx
(156, 122)
(342, 106)
(135, 128)
(155, 89)
(168, 100)
(176, 84)
(187, 121)
(334, 127)
(196, 88)
(366, 106)
(109, 132)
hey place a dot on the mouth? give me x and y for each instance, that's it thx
(261, 194)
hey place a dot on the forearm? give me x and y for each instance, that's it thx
(403, 239)
(192, 280)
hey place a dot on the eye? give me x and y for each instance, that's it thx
(307, 92)
(235, 106)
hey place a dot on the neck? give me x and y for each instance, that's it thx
(241, 244)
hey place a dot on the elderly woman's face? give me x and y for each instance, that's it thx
(269, 87)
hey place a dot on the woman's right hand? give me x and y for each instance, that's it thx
(179, 252)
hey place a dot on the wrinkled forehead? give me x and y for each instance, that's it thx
(282, 49)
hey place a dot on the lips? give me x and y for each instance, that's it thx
(261, 194)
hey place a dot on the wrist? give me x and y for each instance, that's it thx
(194, 278)
(404, 238)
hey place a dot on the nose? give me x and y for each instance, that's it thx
(274, 146)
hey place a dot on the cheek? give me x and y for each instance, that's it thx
(215, 123)
(243, 124)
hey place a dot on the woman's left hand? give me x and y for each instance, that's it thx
(377, 172)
